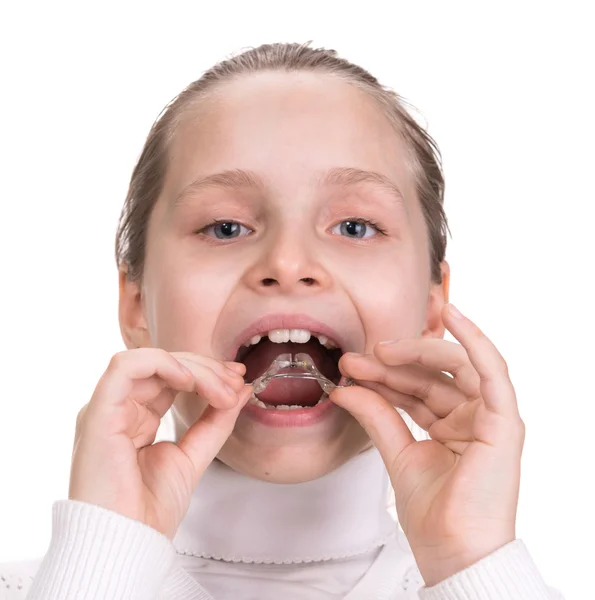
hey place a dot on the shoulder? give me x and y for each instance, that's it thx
(16, 578)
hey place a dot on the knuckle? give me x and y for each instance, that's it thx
(161, 353)
(81, 415)
(406, 401)
(384, 378)
(504, 365)
(515, 432)
(117, 360)
(474, 384)
(521, 429)
(476, 333)
(424, 389)
(81, 421)
(164, 356)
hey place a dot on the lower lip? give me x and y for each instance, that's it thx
(300, 417)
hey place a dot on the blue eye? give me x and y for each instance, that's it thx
(356, 228)
(225, 230)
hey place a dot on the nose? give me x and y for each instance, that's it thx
(289, 264)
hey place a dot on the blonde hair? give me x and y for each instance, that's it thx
(149, 173)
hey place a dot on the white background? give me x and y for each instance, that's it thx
(505, 90)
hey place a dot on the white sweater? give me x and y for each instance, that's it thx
(242, 539)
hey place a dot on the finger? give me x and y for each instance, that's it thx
(154, 394)
(437, 390)
(414, 407)
(496, 388)
(204, 439)
(225, 369)
(456, 431)
(383, 424)
(126, 377)
(127, 368)
(148, 418)
(435, 354)
(219, 392)
(239, 368)
(80, 419)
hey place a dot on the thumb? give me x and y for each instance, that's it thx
(380, 419)
(204, 439)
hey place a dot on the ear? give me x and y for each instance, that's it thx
(438, 298)
(133, 325)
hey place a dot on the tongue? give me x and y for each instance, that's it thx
(304, 392)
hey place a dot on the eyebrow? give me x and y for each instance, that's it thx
(348, 177)
(231, 179)
(342, 176)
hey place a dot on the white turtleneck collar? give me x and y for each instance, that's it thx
(235, 518)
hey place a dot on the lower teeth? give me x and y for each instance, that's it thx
(254, 400)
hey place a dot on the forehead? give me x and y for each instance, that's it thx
(286, 127)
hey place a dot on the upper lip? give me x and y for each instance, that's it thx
(286, 321)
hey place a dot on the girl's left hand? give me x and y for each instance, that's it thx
(457, 493)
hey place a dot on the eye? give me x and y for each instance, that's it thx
(225, 230)
(356, 228)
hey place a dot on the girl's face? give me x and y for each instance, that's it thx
(287, 205)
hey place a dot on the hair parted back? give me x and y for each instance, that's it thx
(149, 173)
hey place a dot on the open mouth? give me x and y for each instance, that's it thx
(290, 394)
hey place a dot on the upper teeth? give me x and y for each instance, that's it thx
(298, 336)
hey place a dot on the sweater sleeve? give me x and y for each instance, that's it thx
(96, 554)
(509, 572)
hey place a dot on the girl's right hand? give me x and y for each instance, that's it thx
(114, 461)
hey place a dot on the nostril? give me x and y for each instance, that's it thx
(270, 281)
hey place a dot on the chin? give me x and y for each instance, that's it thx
(292, 461)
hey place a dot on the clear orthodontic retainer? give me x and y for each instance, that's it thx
(307, 370)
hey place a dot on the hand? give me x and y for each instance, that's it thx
(457, 493)
(114, 461)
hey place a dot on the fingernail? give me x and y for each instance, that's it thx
(235, 367)
(387, 342)
(454, 312)
(230, 390)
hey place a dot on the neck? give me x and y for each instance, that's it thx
(233, 517)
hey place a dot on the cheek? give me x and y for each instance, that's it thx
(391, 299)
(185, 306)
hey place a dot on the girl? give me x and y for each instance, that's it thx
(287, 203)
